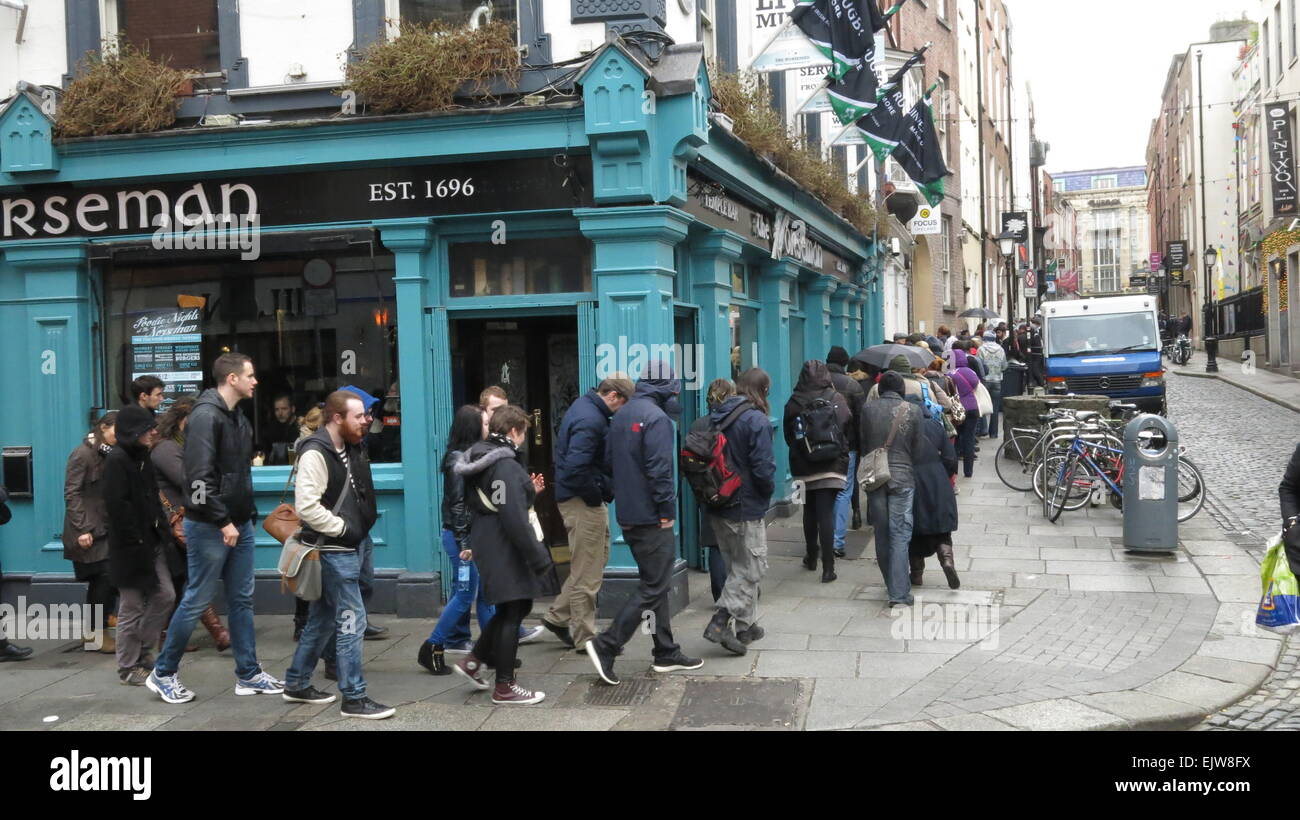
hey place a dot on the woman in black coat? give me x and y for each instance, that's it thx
(138, 537)
(822, 480)
(85, 522)
(506, 544)
(934, 509)
(1289, 493)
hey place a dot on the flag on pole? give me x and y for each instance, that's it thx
(854, 95)
(882, 125)
(843, 30)
(918, 152)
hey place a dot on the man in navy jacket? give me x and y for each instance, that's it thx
(740, 528)
(583, 488)
(641, 448)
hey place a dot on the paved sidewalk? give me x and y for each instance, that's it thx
(1277, 388)
(1081, 635)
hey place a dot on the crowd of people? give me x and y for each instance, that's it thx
(160, 508)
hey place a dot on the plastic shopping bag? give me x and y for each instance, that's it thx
(1279, 606)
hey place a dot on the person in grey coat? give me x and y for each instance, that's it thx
(891, 505)
(514, 564)
(85, 525)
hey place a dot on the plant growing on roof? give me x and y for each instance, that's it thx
(759, 126)
(427, 64)
(121, 91)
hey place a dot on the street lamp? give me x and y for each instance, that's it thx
(1007, 245)
(1209, 324)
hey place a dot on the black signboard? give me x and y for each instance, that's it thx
(303, 198)
(1017, 222)
(1176, 256)
(1281, 157)
(166, 344)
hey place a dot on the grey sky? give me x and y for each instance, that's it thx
(1096, 69)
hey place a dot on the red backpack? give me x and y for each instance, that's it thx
(704, 463)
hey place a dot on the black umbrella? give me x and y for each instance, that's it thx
(880, 356)
(978, 313)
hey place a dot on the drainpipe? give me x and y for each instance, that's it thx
(21, 7)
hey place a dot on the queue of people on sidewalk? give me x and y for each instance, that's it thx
(162, 549)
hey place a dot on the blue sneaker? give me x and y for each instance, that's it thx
(529, 634)
(458, 647)
(169, 688)
(260, 684)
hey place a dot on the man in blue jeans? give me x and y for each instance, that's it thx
(891, 421)
(218, 531)
(335, 499)
(848, 387)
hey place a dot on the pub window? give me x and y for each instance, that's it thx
(739, 279)
(184, 35)
(457, 13)
(312, 323)
(744, 339)
(521, 266)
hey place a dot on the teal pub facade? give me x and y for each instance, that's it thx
(420, 257)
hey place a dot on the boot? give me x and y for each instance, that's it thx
(918, 569)
(718, 626)
(949, 566)
(110, 642)
(212, 622)
(433, 658)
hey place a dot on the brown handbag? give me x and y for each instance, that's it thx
(283, 520)
(175, 519)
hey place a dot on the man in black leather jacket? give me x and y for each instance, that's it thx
(1289, 494)
(219, 515)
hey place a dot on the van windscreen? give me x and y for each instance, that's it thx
(1103, 333)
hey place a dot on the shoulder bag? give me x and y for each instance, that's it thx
(873, 471)
(283, 520)
(299, 564)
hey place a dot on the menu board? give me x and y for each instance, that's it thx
(167, 344)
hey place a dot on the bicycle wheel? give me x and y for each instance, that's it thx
(1191, 489)
(1015, 462)
(1050, 473)
(1060, 493)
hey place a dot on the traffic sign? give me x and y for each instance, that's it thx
(1031, 279)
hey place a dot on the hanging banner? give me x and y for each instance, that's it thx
(791, 49)
(167, 344)
(1281, 158)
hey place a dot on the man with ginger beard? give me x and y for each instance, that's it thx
(335, 499)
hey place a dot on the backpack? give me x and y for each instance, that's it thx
(704, 463)
(818, 433)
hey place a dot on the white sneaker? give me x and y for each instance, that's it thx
(260, 684)
(529, 634)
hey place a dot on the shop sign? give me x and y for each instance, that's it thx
(790, 238)
(925, 223)
(303, 198)
(1281, 158)
(167, 344)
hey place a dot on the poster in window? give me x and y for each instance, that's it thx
(168, 344)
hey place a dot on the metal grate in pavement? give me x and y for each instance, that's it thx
(631, 692)
(767, 704)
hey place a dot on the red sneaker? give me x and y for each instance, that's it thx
(471, 668)
(512, 694)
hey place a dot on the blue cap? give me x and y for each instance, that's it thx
(367, 400)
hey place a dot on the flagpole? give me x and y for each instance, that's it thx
(789, 21)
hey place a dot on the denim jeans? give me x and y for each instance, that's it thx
(842, 505)
(338, 617)
(891, 516)
(366, 583)
(453, 624)
(989, 423)
(209, 561)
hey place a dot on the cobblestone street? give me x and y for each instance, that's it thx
(1242, 442)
